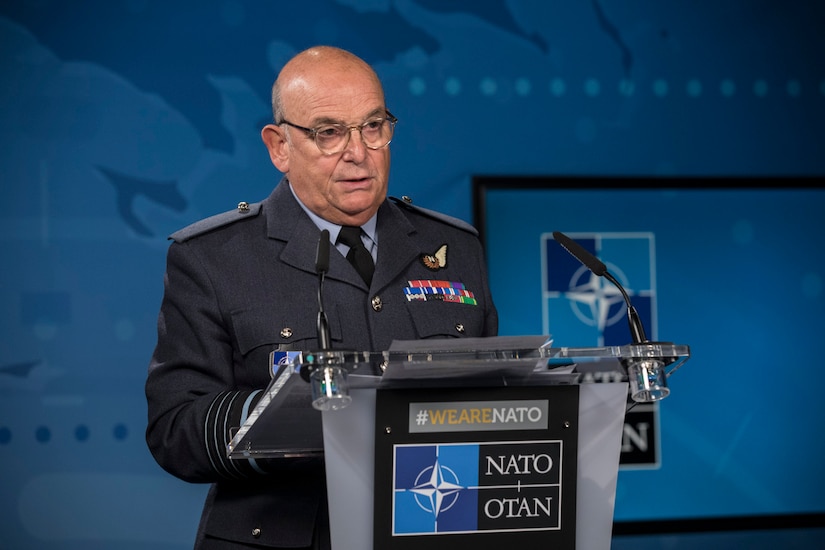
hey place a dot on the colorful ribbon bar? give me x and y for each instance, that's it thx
(444, 291)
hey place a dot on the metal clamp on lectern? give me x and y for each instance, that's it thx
(327, 376)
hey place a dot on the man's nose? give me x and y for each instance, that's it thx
(356, 146)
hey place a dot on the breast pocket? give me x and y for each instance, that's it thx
(439, 319)
(266, 326)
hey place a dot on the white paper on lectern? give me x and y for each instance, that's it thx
(455, 358)
(484, 343)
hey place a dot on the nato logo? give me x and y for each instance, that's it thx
(581, 309)
(280, 359)
(476, 487)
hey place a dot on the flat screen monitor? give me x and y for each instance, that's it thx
(732, 267)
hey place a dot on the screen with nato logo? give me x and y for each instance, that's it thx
(732, 267)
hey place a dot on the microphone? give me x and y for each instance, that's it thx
(321, 268)
(323, 368)
(597, 267)
(646, 374)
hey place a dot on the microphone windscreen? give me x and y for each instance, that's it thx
(589, 260)
(322, 254)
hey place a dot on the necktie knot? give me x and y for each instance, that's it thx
(358, 255)
(350, 235)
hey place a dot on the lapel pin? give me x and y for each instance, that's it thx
(437, 260)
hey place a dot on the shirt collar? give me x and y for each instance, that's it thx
(368, 228)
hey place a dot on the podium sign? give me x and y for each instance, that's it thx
(484, 467)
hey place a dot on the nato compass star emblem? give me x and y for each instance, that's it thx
(436, 489)
(595, 300)
(583, 309)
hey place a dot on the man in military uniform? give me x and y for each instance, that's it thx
(243, 284)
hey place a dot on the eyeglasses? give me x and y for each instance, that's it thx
(331, 139)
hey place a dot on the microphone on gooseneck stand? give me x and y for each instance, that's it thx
(321, 268)
(324, 368)
(646, 374)
(597, 267)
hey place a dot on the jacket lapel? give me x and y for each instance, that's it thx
(396, 246)
(287, 222)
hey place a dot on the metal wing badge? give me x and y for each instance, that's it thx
(437, 260)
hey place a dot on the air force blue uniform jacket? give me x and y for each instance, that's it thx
(242, 284)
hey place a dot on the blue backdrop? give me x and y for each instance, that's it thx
(123, 120)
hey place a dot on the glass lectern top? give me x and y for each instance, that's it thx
(284, 422)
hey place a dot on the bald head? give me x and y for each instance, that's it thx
(319, 66)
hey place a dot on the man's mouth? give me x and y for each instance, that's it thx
(355, 181)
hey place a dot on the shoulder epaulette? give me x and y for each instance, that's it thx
(242, 212)
(406, 203)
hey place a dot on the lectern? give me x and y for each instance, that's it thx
(481, 441)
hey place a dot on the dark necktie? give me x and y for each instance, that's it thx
(358, 254)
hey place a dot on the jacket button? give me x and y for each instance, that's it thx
(243, 207)
(256, 532)
(459, 328)
(286, 332)
(377, 304)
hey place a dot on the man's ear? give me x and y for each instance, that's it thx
(275, 140)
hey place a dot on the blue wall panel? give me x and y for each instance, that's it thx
(123, 120)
